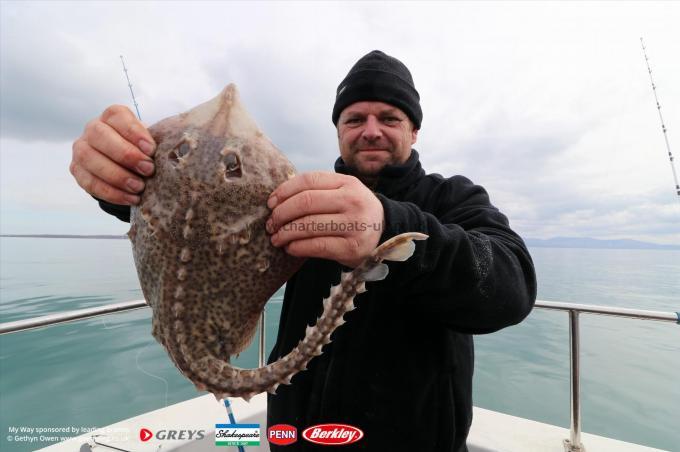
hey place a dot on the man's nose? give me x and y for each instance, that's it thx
(372, 129)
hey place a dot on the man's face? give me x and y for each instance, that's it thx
(374, 134)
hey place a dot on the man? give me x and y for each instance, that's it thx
(401, 367)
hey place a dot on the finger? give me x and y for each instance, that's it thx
(109, 142)
(105, 169)
(123, 121)
(333, 248)
(317, 180)
(100, 189)
(305, 203)
(314, 226)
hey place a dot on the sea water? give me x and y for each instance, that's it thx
(96, 372)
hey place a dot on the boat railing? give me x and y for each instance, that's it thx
(572, 444)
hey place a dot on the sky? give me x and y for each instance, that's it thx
(548, 106)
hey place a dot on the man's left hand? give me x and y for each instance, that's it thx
(326, 215)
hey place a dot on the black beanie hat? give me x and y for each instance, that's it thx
(379, 77)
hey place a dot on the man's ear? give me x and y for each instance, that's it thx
(414, 135)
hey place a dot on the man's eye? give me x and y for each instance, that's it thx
(391, 120)
(353, 121)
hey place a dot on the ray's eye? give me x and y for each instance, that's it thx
(231, 162)
(232, 165)
(183, 149)
(179, 152)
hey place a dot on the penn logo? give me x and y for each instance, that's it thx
(332, 434)
(282, 434)
(145, 434)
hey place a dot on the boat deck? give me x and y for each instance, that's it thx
(491, 431)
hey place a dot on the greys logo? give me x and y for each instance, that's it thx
(171, 435)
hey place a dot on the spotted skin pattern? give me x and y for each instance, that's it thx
(204, 259)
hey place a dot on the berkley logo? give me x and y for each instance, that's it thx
(282, 434)
(145, 434)
(332, 434)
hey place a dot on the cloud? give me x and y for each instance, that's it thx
(47, 80)
(554, 117)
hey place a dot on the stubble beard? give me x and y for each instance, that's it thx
(369, 176)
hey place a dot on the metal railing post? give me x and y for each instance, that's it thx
(573, 444)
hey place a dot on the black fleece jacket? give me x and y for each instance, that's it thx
(401, 367)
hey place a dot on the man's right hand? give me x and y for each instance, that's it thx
(113, 155)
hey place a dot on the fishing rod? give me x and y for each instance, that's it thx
(134, 101)
(663, 125)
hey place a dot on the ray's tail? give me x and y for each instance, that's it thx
(224, 380)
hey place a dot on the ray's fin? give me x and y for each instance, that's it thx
(376, 273)
(399, 248)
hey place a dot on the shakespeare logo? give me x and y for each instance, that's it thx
(237, 434)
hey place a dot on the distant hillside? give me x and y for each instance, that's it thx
(65, 236)
(555, 242)
(585, 242)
